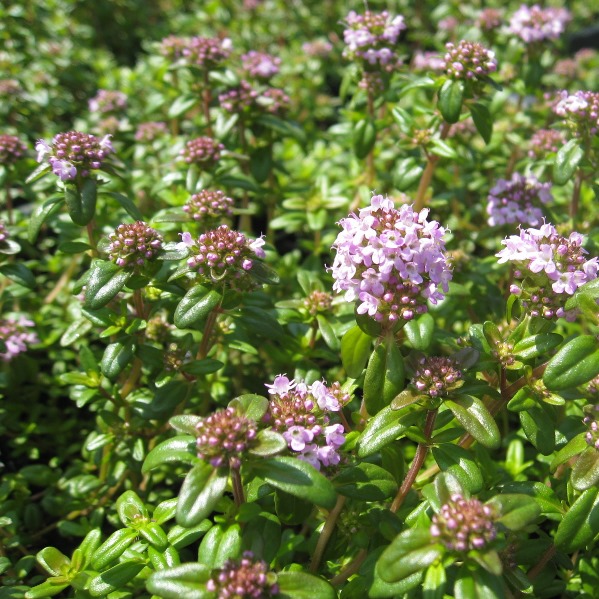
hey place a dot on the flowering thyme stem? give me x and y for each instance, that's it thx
(428, 172)
(139, 304)
(205, 344)
(238, 494)
(538, 567)
(370, 172)
(575, 200)
(206, 97)
(417, 462)
(351, 569)
(325, 535)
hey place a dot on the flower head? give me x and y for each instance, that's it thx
(224, 436)
(468, 60)
(489, 19)
(392, 260)
(545, 141)
(318, 302)
(591, 420)
(206, 53)
(428, 61)
(12, 149)
(108, 101)
(464, 524)
(209, 206)
(436, 376)
(148, 132)
(535, 24)
(133, 245)
(260, 65)
(16, 335)
(243, 579)
(203, 151)
(239, 99)
(580, 112)
(74, 154)
(518, 200)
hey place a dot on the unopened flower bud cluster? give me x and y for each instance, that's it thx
(545, 141)
(202, 151)
(591, 420)
(245, 578)
(12, 149)
(207, 206)
(392, 260)
(318, 302)
(371, 40)
(150, 131)
(580, 111)
(489, 19)
(16, 335)
(74, 154)
(464, 524)
(206, 52)
(518, 200)
(428, 61)
(260, 65)
(107, 101)
(133, 245)
(301, 413)
(224, 436)
(468, 60)
(436, 376)
(535, 24)
(549, 267)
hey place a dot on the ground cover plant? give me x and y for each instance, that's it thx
(299, 300)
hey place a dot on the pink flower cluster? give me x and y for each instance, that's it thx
(260, 65)
(370, 39)
(489, 19)
(591, 420)
(580, 111)
(106, 101)
(148, 132)
(428, 61)
(391, 260)
(517, 200)
(224, 256)
(468, 60)
(208, 205)
(74, 153)
(317, 48)
(239, 99)
(545, 141)
(436, 376)
(3, 232)
(132, 245)
(16, 336)
(548, 266)
(535, 24)
(300, 413)
(203, 151)
(12, 149)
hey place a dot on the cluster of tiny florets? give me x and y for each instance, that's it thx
(12, 149)
(518, 200)
(10, 87)
(300, 413)
(206, 52)
(150, 131)
(74, 154)
(245, 578)
(489, 19)
(580, 111)
(3, 232)
(428, 61)
(468, 60)
(175, 357)
(133, 245)
(591, 420)
(464, 524)
(203, 151)
(224, 256)
(371, 39)
(436, 376)
(224, 436)
(391, 260)
(275, 101)
(548, 267)
(568, 68)
(317, 48)
(318, 301)
(16, 335)
(107, 101)
(260, 65)
(535, 24)
(545, 141)
(158, 328)
(239, 99)
(207, 206)
(172, 47)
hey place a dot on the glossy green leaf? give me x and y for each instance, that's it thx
(483, 121)
(355, 350)
(269, 443)
(115, 578)
(202, 488)
(406, 173)
(515, 511)
(250, 405)
(574, 364)
(573, 447)
(117, 356)
(130, 508)
(585, 473)
(458, 461)
(536, 345)
(301, 585)
(290, 509)
(187, 581)
(363, 137)
(180, 536)
(185, 423)
(365, 481)
(20, 274)
(411, 551)
(385, 376)
(127, 204)
(539, 427)
(385, 427)
(580, 524)
(105, 280)
(420, 332)
(162, 560)
(477, 584)
(41, 214)
(202, 367)
(195, 306)
(154, 535)
(435, 579)
(220, 544)
(471, 413)
(298, 478)
(81, 203)
(566, 161)
(53, 561)
(327, 332)
(451, 97)
(112, 548)
(49, 588)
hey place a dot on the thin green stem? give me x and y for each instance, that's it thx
(238, 494)
(325, 535)
(543, 561)
(575, 200)
(208, 327)
(351, 569)
(206, 98)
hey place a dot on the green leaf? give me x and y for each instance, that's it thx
(420, 332)
(516, 511)
(407, 171)
(482, 120)
(202, 367)
(364, 481)
(574, 364)
(195, 306)
(363, 137)
(385, 376)
(53, 561)
(411, 551)
(251, 406)
(154, 535)
(220, 544)
(385, 427)
(81, 203)
(471, 413)
(41, 214)
(451, 96)
(127, 204)
(20, 274)
(38, 173)
(434, 583)
(180, 537)
(269, 443)
(298, 478)
(284, 128)
(115, 578)
(585, 472)
(185, 423)
(539, 427)
(477, 584)
(355, 349)
(301, 585)
(105, 280)
(112, 548)
(291, 510)
(187, 581)
(73, 247)
(573, 447)
(49, 588)
(202, 488)
(182, 104)
(117, 356)
(580, 524)
(327, 332)
(536, 345)
(130, 508)
(567, 160)
(458, 461)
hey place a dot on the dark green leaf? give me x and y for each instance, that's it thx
(127, 204)
(515, 511)
(536, 345)
(20, 274)
(539, 427)
(420, 332)
(105, 280)
(81, 203)
(385, 427)
(580, 524)
(112, 548)
(355, 349)
(185, 423)
(363, 137)
(202, 367)
(566, 161)
(38, 173)
(585, 473)
(482, 120)
(269, 443)
(41, 214)
(458, 461)
(471, 413)
(327, 332)
(451, 96)
(301, 585)
(187, 581)
(195, 306)
(117, 356)
(250, 405)
(115, 578)
(365, 481)
(573, 447)
(220, 544)
(385, 376)
(574, 364)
